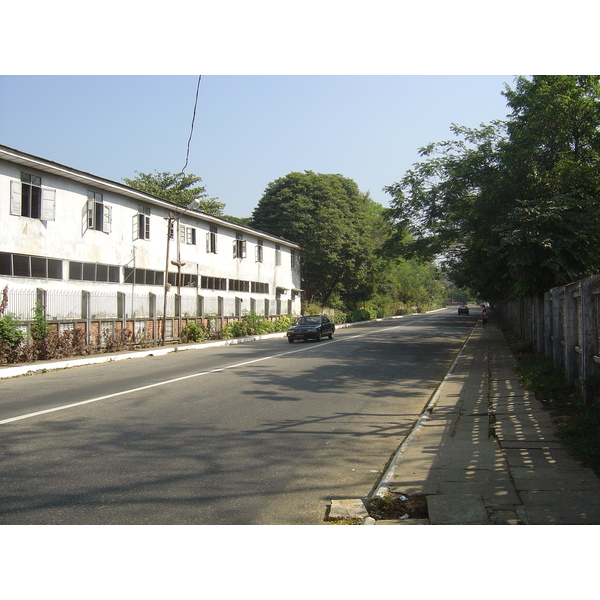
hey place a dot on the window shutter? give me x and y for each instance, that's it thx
(48, 204)
(146, 221)
(208, 242)
(234, 248)
(135, 227)
(107, 224)
(182, 234)
(190, 234)
(90, 214)
(15, 198)
(243, 248)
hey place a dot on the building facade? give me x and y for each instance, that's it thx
(102, 255)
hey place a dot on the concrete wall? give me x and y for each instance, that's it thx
(67, 238)
(564, 324)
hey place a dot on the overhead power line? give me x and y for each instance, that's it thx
(187, 156)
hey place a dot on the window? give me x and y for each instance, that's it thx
(187, 280)
(239, 246)
(259, 288)
(277, 254)
(29, 199)
(141, 224)
(144, 276)
(211, 240)
(99, 215)
(295, 259)
(187, 235)
(238, 285)
(213, 283)
(23, 265)
(80, 271)
(258, 255)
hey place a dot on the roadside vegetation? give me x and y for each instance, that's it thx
(578, 423)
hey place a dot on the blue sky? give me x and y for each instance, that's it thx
(249, 130)
(332, 86)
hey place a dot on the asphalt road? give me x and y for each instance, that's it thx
(259, 433)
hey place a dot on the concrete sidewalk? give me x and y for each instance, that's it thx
(488, 454)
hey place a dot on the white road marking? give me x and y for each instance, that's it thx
(175, 380)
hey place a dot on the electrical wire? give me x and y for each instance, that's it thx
(187, 156)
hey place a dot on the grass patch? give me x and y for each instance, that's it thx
(578, 424)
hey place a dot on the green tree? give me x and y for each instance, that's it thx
(329, 217)
(510, 205)
(177, 188)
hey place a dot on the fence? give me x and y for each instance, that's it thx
(564, 324)
(103, 314)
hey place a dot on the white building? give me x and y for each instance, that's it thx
(94, 252)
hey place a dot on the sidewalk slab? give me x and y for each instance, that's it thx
(461, 509)
(489, 453)
(561, 507)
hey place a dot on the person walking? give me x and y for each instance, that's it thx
(484, 316)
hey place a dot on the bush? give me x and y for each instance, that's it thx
(10, 333)
(283, 323)
(312, 308)
(40, 329)
(193, 332)
(361, 314)
(253, 324)
(235, 329)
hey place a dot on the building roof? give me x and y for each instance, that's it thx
(48, 166)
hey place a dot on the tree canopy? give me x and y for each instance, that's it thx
(177, 188)
(329, 217)
(512, 206)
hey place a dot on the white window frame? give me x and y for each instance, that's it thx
(187, 235)
(211, 240)
(94, 200)
(47, 201)
(239, 247)
(142, 217)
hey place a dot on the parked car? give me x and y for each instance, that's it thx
(463, 310)
(314, 327)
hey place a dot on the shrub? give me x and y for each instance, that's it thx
(193, 332)
(361, 314)
(283, 323)
(234, 329)
(39, 328)
(10, 333)
(253, 324)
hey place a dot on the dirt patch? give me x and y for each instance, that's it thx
(394, 506)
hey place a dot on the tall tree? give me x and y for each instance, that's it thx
(511, 205)
(328, 216)
(177, 188)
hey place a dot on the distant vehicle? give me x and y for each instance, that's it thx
(311, 327)
(463, 310)
(485, 305)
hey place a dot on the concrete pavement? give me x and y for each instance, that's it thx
(486, 451)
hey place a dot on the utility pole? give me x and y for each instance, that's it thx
(166, 282)
(177, 263)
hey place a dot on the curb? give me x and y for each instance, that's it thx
(382, 488)
(30, 368)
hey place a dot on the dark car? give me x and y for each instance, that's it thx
(311, 327)
(463, 310)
